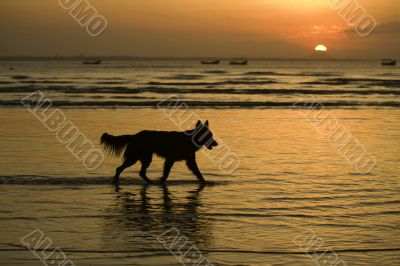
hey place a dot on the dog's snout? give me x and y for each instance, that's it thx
(212, 144)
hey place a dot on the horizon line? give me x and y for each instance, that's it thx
(183, 58)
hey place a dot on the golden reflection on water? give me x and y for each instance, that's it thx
(290, 180)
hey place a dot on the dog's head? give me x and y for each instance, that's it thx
(202, 136)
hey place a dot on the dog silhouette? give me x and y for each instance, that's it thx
(171, 145)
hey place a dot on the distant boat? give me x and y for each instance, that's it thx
(210, 62)
(388, 62)
(92, 62)
(239, 62)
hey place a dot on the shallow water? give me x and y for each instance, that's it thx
(290, 180)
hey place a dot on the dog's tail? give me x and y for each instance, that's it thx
(115, 145)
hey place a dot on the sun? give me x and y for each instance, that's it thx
(321, 48)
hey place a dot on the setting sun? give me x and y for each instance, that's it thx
(321, 48)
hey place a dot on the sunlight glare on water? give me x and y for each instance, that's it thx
(290, 180)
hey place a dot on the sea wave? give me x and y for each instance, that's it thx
(18, 247)
(46, 82)
(300, 74)
(207, 104)
(18, 77)
(177, 90)
(215, 72)
(111, 82)
(217, 83)
(184, 77)
(363, 81)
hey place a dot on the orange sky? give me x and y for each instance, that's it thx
(248, 28)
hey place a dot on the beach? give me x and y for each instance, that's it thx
(294, 197)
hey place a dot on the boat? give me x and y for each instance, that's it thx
(388, 62)
(210, 62)
(239, 62)
(92, 62)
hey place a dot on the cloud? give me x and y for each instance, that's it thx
(388, 28)
(383, 28)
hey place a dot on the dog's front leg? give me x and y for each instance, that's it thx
(146, 161)
(191, 163)
(167, 169)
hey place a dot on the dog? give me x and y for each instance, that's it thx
(173, 146)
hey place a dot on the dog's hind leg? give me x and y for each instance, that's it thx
(118, 171)
(167, 169)
(192, 165)
(146, 161)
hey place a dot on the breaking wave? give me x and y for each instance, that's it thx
(206, 104)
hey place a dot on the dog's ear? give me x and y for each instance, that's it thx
(206, 123)
(199, 124)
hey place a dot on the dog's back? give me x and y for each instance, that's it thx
(167, 144)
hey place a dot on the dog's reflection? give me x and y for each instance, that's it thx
(142, 216)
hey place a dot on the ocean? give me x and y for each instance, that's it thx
(260, 84)
(293, 198)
